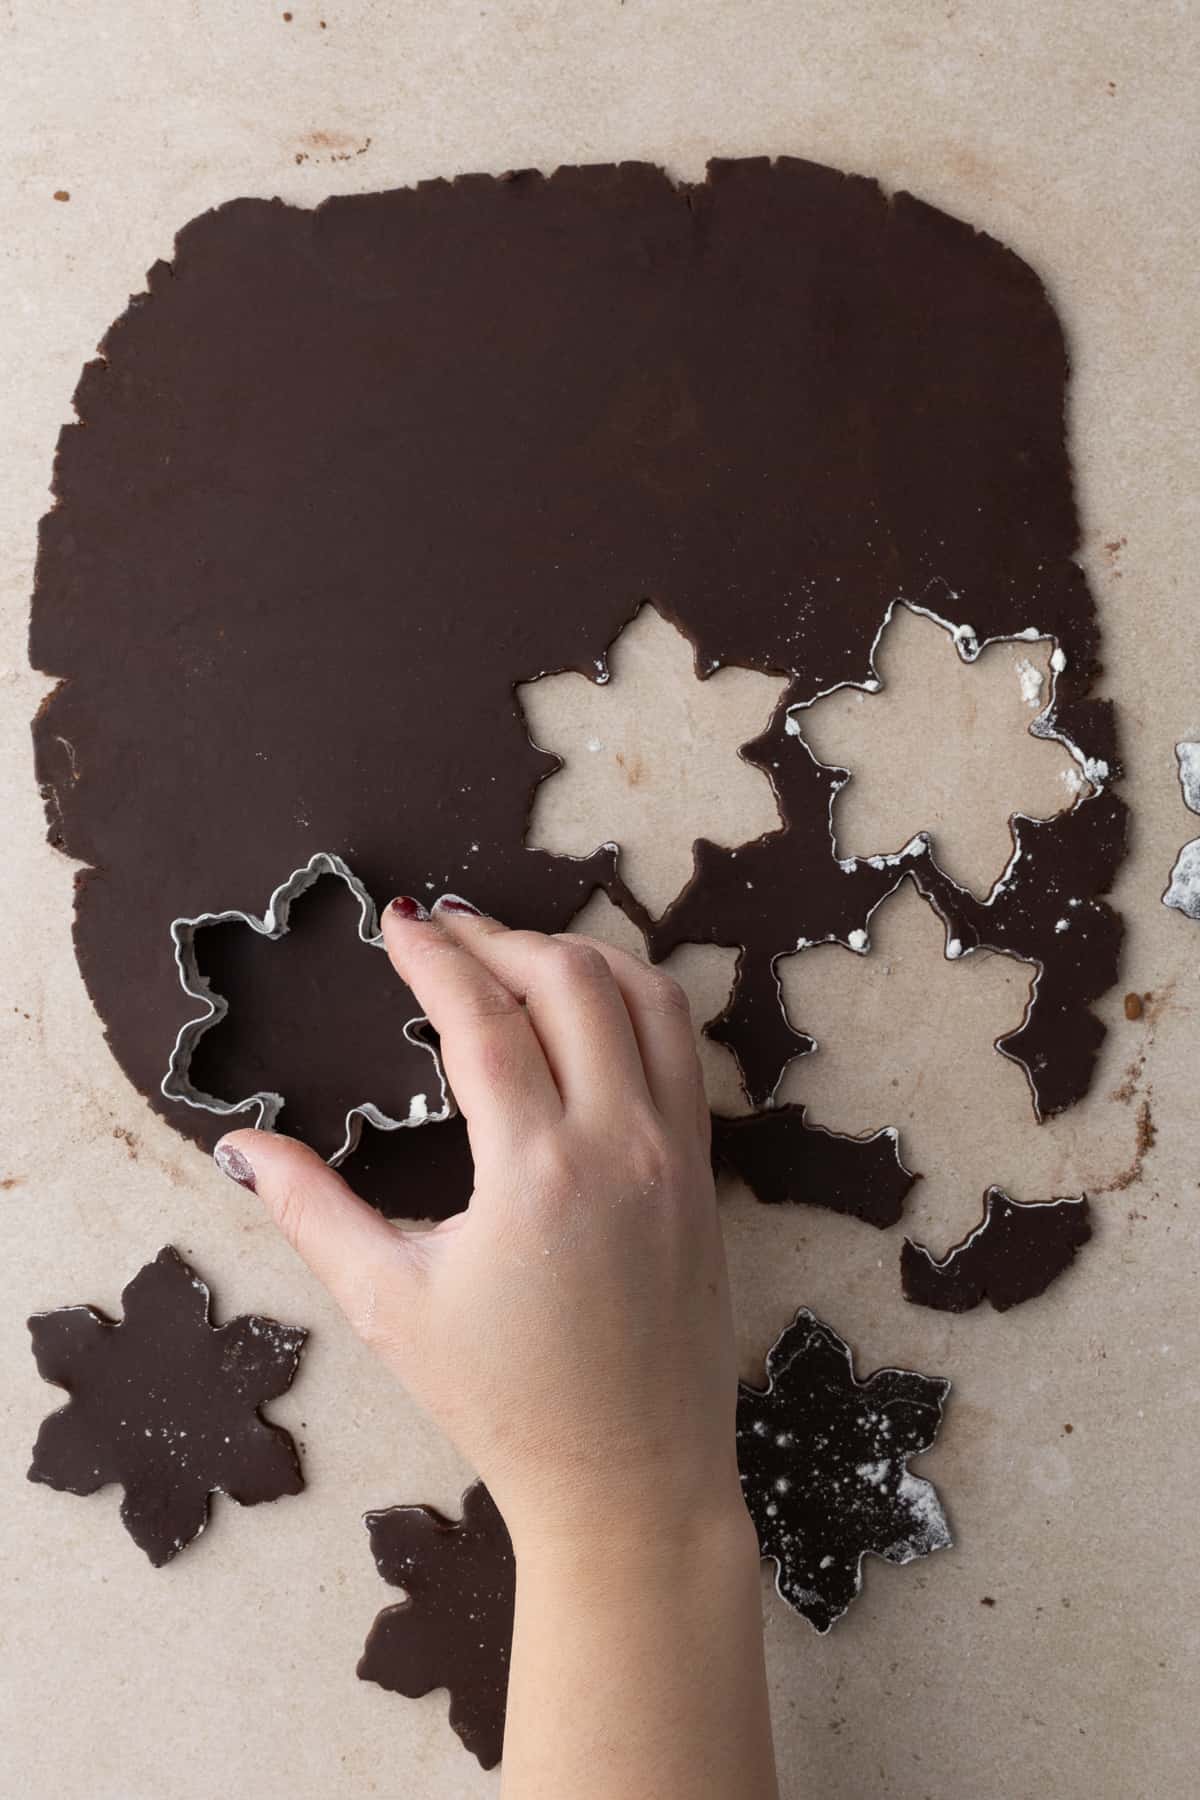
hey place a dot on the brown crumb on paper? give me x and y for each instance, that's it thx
(1145, 1137)
(1126, 1088)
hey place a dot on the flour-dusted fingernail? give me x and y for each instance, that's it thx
(239, 1168)
(454, 903)
(405, 907)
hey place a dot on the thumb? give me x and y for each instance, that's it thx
(348, 1246)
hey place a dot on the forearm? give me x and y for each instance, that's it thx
(637, 1668)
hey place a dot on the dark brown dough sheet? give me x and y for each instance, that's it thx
(166, 1403)
(1013, 1254)
(341, 478)
(824, 1468)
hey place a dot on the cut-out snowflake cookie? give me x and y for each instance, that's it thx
(454, 1628)
(824, 1467)
(166, 1403)
(403, 1057)
(823, 1461)
(786, 1161)
(1183, 890)
(1012, 1255)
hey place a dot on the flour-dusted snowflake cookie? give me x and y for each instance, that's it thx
(454, 1628)
(823, 1462)
(166, 1403)
(1183, 890)
(824, 1466)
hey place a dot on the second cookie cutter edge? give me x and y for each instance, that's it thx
(176, 1083)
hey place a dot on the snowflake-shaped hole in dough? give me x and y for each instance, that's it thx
(942, 743)
(906, 1036)
(650, 758)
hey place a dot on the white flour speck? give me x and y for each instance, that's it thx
(875, 1473)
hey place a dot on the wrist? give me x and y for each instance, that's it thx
(638, 1536)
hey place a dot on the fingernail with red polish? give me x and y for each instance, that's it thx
(454, 903)
(231, 1162)
(405, 907)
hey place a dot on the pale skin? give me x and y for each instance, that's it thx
(571, 1332)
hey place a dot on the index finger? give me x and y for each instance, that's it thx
(493, 1060)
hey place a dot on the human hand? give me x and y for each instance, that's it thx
(570, 1330)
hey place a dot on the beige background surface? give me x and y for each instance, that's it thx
(1067, 130)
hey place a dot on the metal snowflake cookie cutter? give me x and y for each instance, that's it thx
(176, 1083)
(1183, 889)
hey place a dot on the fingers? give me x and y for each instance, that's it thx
(573, 1001)
(493, 1060)
(346, 1243)
(662, 1022)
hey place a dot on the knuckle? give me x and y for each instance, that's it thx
(289, 1208)
(490, 1000)
(377, 1330)
(498, 1065)
(549, 1169)
(666, 995)
(578, 961)
(648, 1153)
(386, 1314)
(552, 1157)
